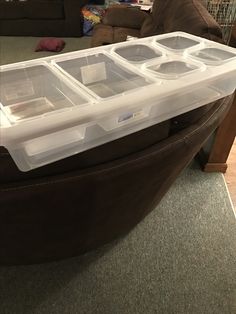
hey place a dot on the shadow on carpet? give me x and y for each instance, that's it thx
(180, 259)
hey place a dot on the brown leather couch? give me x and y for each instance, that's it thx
(41, 18)
(167, 16)
(81, 202)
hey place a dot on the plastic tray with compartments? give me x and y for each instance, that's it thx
(54, 107)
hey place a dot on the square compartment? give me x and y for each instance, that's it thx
(34, 91)
(137, 53)
(102, 75)
(173, 69)
(177, 42)
(214, 55)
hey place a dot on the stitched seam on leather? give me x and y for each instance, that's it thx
(113, 167)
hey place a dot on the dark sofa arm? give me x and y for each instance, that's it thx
(125, 17)
(72, 9)
(189, 16)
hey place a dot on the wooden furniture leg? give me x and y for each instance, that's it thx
(223, 141)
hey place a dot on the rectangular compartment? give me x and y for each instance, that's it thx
(34, 91)
(173, 69)
(102, 75)
(211, 55)
(137, 53)
(178, 42)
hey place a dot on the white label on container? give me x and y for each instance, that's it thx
(93, 73)
(18, 90)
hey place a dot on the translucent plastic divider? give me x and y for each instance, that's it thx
(35, 91)
(62, 105)
(177, 42)
(173, 68)
(102, 75)
(138, 53)
(212, 55)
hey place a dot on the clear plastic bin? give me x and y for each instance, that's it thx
(138, 53)
(62, 105)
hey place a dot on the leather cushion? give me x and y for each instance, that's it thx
(121, 33)
(194, 19)
(124, 17)
(105, 34)
(102, 35)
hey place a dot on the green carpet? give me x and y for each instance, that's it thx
(15, 49)
(180, 259)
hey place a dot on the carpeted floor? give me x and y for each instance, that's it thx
(15, 49)
(180, 259)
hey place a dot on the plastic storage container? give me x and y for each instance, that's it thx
(54, 107)
(31, 92)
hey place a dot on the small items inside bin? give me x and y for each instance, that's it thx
(137, 53)
(177, 42)
(213, 54)
(173, 68)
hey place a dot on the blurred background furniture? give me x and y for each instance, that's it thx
(167, 16)
(224, 12)
(60, 18)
